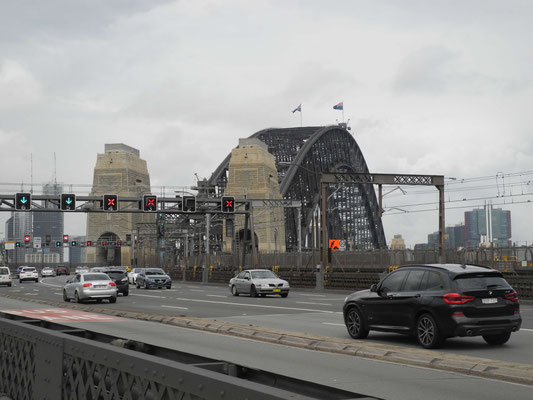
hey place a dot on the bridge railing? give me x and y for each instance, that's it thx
(46, 364)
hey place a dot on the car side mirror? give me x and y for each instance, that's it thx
(374, 288)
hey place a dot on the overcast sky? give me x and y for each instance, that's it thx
(430, 87)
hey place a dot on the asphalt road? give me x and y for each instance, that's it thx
(306, 311)
(365, 376)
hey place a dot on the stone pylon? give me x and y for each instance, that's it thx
(252, 174)
(120, 171)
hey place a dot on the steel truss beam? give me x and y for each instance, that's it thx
(378, 179)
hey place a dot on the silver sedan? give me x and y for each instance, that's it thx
(258, 282)
(90, 286)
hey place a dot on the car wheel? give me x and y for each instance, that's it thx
(36, 280)
(9, 285)
(145, 285)
(263, 295)
(113, 299)
(137, 285)
(234, 290)
(284, 294)
(355, 324)
(20, 280)
(253, 292)
(498, 339)
(427, 332)
(65, 297)
(77, 298)
(127, 292)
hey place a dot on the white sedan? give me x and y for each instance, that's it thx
(258, 282)
(132, 275)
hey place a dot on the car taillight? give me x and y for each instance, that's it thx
(513, 296)
(87, 284)
(456, 298)
(112, 284)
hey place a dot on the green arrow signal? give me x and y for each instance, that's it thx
(23, 200)
(68, 201)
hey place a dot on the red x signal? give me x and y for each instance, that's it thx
(229, 203)
(111, 202)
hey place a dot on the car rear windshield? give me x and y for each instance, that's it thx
(4, 271)
(481, 281)
(116, 274)
(95, 277)
(30, 269)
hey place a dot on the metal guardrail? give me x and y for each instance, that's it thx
(45, 364)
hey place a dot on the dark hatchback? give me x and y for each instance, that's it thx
(153, 278)
(121, 280)
(435, 302)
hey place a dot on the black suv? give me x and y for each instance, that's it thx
(434, 302)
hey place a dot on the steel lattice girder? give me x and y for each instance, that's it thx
(302, 155)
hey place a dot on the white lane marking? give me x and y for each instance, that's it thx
(59, 294)
(316, 304)
(148, 295)
(181, 308)
(330, 323)
(31, 294)
(49, 284)
(256, 305)
(313, 295)
(197, 290)
(194, 287)
(35, 290)
(216, 295)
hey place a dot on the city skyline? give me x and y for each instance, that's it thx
(429, 88)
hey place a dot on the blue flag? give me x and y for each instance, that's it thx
(339, 106)
(299, 108)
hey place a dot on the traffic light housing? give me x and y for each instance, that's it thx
(73, 243)
(65, 238)
(228, 204)
(58, 244)
(68, 202)
(189, 203)
(17, 244)
(149, 203)
(22, 201)
(110, 202)
(89, 243)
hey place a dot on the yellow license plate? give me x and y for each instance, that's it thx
(277, 290)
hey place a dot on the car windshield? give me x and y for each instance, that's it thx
(263, 275)
(116, 274)
(154, 272)
(95, 277)
(473, 282)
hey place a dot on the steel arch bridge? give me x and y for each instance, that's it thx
(301, 155)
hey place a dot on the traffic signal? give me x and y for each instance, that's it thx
(89, 243)
(110, 202)
(189, 203)
(228, 204)
(68, 202)
(27, 238)
(73, 243)
(119, 243)
(22, 201)
(149, 203)
(104, 243)
(65, 238)
(58, 244)
(17, 244)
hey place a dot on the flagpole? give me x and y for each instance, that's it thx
(301, 117)
(343, 111)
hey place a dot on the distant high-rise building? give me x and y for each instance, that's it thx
(398, 243)
(18, 226)
(49, 225)
(476, 226)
